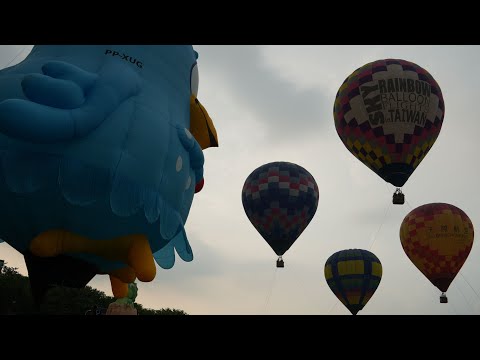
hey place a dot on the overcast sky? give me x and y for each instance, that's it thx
(274, 103)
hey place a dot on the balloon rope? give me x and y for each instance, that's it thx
(16, 56)
(271, 290)
(333, 307)
(471, 287)
(374, 238)
(464, 297)
(411, 208)
(455, 312)
(372, 242)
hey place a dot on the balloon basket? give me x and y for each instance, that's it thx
(280, 263)
(443, 299)
(121, 309)
(398, 197)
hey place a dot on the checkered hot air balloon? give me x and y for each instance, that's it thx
(388, 114)
(353, 275)
(437, 238)
(280, 199)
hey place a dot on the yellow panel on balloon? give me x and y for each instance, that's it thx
(350, 267)
(376, 269)
(328, 272)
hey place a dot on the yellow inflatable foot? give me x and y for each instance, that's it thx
(126, 274)
(133, 250)
(55, 242)
(140, 258)
(119, 288)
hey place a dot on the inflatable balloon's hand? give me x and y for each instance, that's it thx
(65, 102)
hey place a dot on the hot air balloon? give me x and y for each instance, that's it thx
(388, 114)
(353, 275)
(437, 238)
(100, 155)
(280, 199)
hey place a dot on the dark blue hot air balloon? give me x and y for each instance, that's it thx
(353, 275)
(280, 199)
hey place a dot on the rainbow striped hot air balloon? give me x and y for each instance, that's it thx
(353, 275)
(437, 238)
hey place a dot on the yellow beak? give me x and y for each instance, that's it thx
(201, 125)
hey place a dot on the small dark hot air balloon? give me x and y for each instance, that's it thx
(280, 199)
(353, 275)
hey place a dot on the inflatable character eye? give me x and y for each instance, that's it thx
(194, 80)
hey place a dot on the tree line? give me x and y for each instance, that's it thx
(16, 298)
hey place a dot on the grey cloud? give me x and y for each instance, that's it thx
(13, 54)
(289, 112)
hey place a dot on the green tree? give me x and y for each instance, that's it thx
(16, 298)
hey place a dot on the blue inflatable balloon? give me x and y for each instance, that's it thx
(101, 154)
